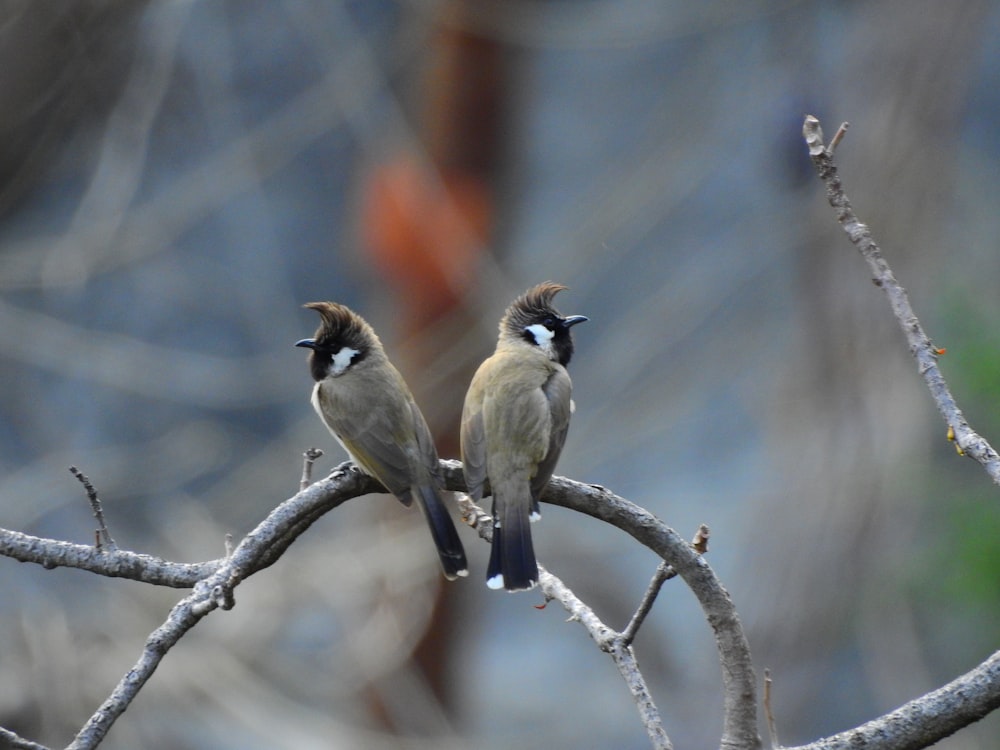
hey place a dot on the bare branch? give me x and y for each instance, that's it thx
(925, 353)
(184, 616)
(663, 574)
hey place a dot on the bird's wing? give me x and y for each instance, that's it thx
(473, 440)
(558, 391)
(380, 438)
(426, 449)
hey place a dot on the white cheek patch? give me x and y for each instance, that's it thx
(342, 360)
(543, 336)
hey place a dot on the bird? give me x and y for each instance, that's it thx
(364, 401)
(514, 423)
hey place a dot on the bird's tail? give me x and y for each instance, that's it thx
(443, 531)
(512, 557)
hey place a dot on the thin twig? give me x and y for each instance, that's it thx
(772, 727)
(621, 653)
(839, 136)
(308, 459)
(700, 541)
(95, 505)
(663, 574)
(926, 354)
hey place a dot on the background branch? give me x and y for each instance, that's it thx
(926, 354)
(926, 720)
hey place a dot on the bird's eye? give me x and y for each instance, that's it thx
(549, 322)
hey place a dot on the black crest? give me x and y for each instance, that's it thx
(534, 307)
(339, 327)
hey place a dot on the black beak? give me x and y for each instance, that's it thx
(572, 320)
(308, 343)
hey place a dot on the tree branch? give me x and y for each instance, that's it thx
(618, 645)
(259, 549)
(966, 440)
(15, 742)
(215, 581)
(621, 652)
(928, 719)
(921, 722)
(51, 553)
(738, 680)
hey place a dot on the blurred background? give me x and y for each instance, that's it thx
(178, 178)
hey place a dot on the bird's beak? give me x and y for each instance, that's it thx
(572, 320)
(308, 343)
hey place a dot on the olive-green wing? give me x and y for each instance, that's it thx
(473, 446)
(558, 390)
(380, 438)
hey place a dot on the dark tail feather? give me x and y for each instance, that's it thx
(443, 531)
(512, 557)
